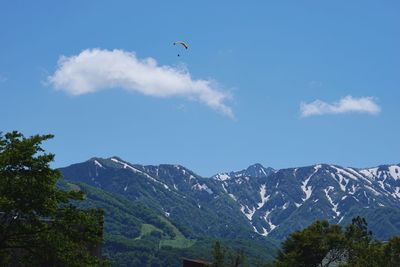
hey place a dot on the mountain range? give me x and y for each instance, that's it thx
(258, 203)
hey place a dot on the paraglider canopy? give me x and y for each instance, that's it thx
(183, 44)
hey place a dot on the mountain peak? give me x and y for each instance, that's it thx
(116, 158)
(256, 165)
(258, 170)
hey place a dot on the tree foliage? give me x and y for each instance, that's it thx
(310, 246)
(38, 224)
(322, 244)
(224, 257)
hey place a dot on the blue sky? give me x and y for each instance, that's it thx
(234, 98)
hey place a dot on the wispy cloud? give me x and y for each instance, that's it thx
(347, 104)
(95, 69)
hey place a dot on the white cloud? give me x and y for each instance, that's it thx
(95, 69)
(345, 105)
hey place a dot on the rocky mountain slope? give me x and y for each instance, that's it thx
(255, 202)
(276, 202)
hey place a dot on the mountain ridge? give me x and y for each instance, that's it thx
(256, 164)
(259, 200)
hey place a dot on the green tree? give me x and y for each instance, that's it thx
(227, 257)
(357, 231)
(236, 259)
(38, 223)
(391, 252)
(359, 246)
(317, 245)
(322, 244)
(219, 255)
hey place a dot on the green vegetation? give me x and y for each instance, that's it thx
(147, 229)
(322, 244)
(38, 224)
(137, 234)
(180, 241)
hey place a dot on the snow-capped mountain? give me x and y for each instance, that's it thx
(280, 201)
(195, 205)
(254, 202)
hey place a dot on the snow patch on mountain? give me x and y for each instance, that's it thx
(348, 173)
(353, 190)
(396, 193)
(354, 172)
(394, 172)
(376, 193)
(268, 220)
(369, 173)
(224, 187)
(264, 197)
(247, 212)
(98, 164)
(202, 187)
(334, 206)
(285, 206)
(264, 232)
(341, 181)
(308, 189)
(233, 197)
(127, 166)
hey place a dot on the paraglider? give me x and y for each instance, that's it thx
(183, 44)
